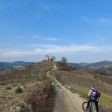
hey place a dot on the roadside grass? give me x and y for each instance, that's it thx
(8, 89)
(10, 98)
(105, 99)
(82, 91)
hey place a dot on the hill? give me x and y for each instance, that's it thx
(36, 93)
(8, 65)
(79, 81)
(103, 67)
(35, 87)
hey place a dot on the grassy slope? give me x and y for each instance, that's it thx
(80, 80)
(105, 99)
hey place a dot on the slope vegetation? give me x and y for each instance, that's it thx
(79, 80)
(35, 95)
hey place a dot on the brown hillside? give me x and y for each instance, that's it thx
(35, 87)
(83, 78)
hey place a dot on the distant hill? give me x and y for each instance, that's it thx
(8, 65)
(103, 67)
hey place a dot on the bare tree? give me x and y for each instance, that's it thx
(2, 68)
(53, 58)
(64, 60)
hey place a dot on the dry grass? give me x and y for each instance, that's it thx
(105, 99)
(8, 98)
(80, 80)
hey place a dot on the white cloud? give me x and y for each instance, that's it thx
(97, 20)
(55, 49)
(48, 7)
(13, 3)
(45, 9)
(52, 39)
(36, 37)
(44, 38)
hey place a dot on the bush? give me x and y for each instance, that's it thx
(8, 88)
(18, 90)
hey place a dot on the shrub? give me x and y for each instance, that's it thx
(18, 90)
(8, 88)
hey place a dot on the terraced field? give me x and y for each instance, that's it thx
(80, 80)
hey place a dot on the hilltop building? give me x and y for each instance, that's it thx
(48, 58)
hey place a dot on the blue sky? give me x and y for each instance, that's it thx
(79, 30)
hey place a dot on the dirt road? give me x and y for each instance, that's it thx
(62, 104)
(66, 101)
